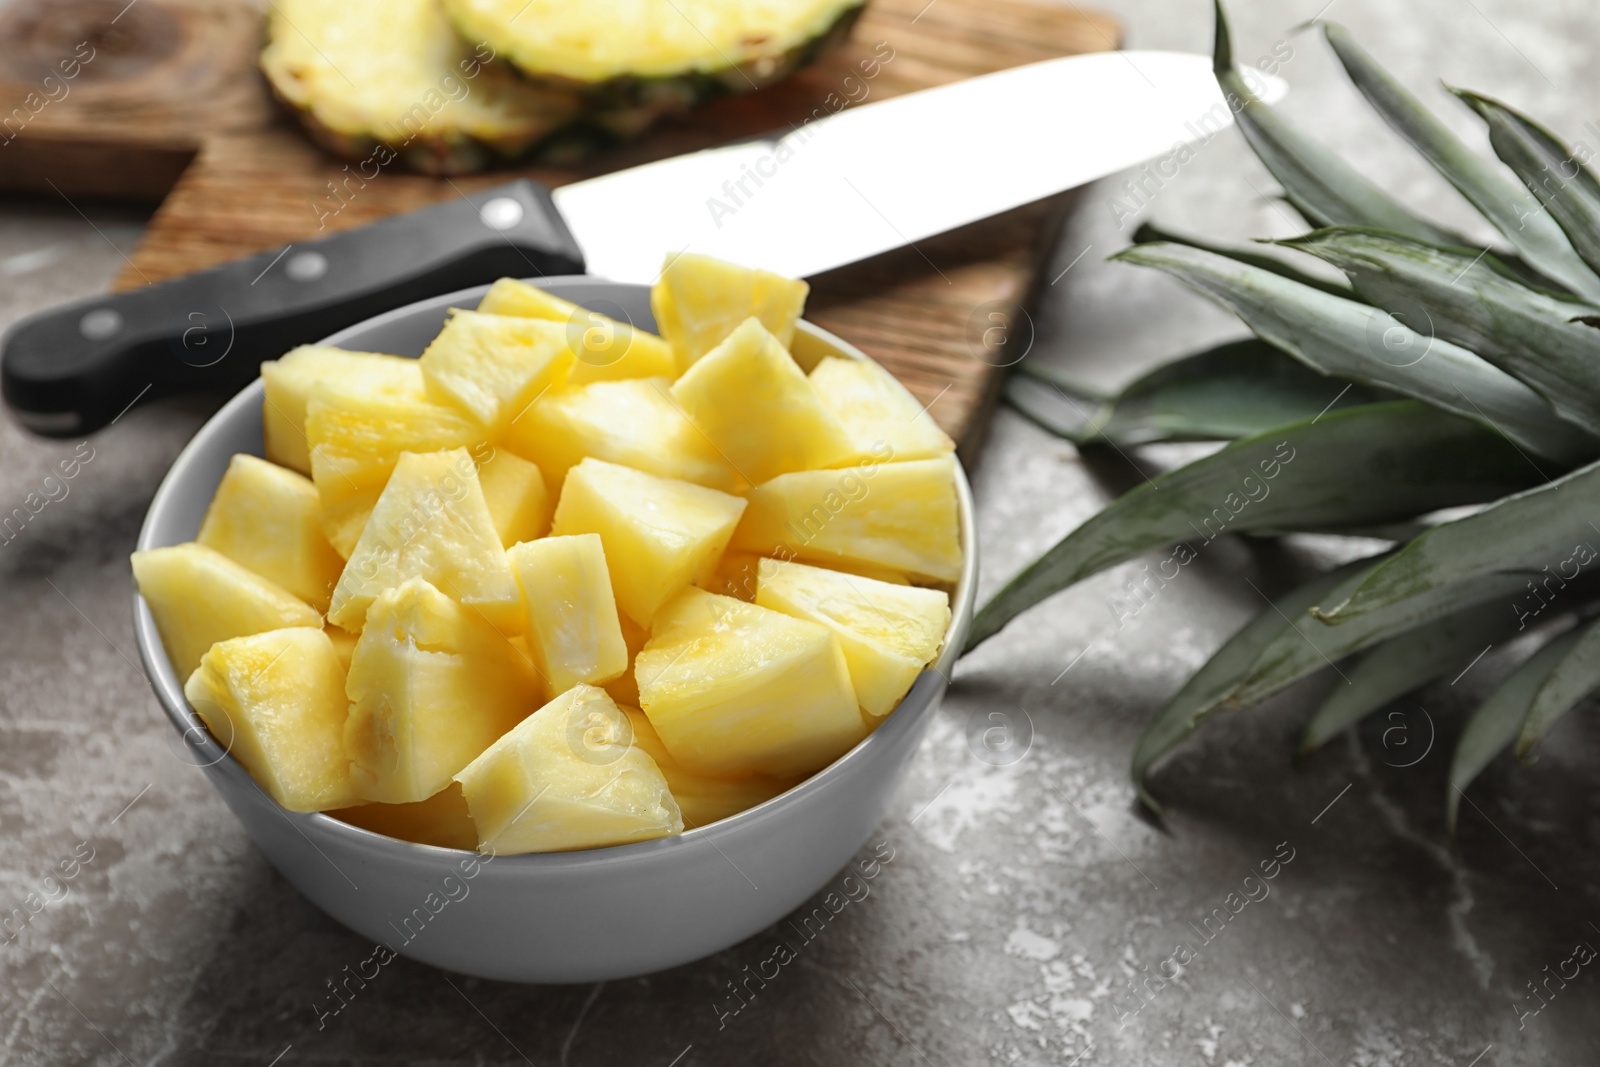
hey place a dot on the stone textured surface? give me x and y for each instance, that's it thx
(1022, 899)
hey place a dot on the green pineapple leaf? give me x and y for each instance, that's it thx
(1539, 533)
(1149, 233)
(1405, 663)
(1550, 170)
(1496, 721)
(1375, 463)
(1230, 391)
(1575, 677)
(1468, 297)
(1530, 229)
(1319, 184)
(1353, 340)
(1203, 694)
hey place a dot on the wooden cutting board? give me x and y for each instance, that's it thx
(170, 105)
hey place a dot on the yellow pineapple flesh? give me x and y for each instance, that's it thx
(889, 633)
(573, 629)
(623, 689)
(276, 702)
(442, 820)
(758, 409)
(288, 381)
(356, 439)
(699, 300)
(897, 516)
(198, 597)
(606, 350)
(518, 500)
(265, 517)
(568, 777)
(660, 534)
(635, 423)
(493, 366)
(431, 686)
(431, 522)
(735, 689)
(702, 799)
(879, 415)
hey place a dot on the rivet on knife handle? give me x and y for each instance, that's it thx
(72, 370)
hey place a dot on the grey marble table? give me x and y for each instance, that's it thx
(1027, 906)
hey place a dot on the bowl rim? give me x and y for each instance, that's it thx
(169, 693)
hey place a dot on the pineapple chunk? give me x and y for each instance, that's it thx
(198, 597)
(356, 439)
(573, 629)
(344, 644)
(518, 501)
(623, 688)
(442, 820)
(735, 576)
(431, 686)
(431, 522)
(757, 408)
(881, 418)
(635, 423)
(889, 633)
(264, 517)
(898, 516)
(607, 350)
(568, 778)
(736, 689)
(287, 383)
(276, 702)
(494, 366)
(702, 800)
(699, 300)
(660, 535)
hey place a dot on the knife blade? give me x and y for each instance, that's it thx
(817, 196)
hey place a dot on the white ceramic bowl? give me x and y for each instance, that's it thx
(558, 917)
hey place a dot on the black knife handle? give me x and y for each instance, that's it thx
(73, 369)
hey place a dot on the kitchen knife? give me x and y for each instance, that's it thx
(820, 195)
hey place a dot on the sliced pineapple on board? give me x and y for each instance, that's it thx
(431, 686)
(702, 799)
(606, 350)
(735, 689)
(758, 409)
(889, 633)
(441, 820)
(573, 629)
(698, 301)
(635, 423)
(568, 777)
(431, 522)
(518, 500)
(265, 517)
(899, 516)
(880, 416)
(198, 597)
(276, 702)
(357, 435)
(660, 534)
(288, 380)
(493, 366)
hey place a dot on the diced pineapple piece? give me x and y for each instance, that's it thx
(431, 522)
(276, 702)
(568, 778)
(703, 800)
(442, 820)
(264, 517)
(737, 689)
(494, 366)
(889, 633)
(356, 439)
(607, 350)
(573, 629)
(757, 408)
(518, 500)
(880, 416)
(735, 576)
(623, 688)
(198, 597)
(431, 686)
(288, 381)
(660, 535)
(344, 644)
(699, 300)
(635, 423)
(899, 516)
